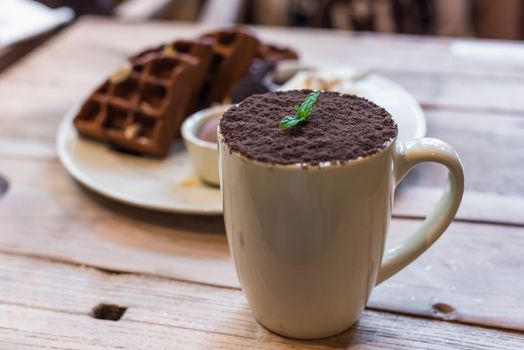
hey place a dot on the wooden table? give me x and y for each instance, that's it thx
(64, 250)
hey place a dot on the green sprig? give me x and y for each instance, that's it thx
(302, 111)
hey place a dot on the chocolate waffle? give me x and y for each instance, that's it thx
(202, 49)
(233, 53)
(140, 107)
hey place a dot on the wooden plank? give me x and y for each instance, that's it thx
(12, 148)
(472, 274)
(480, 207)
(490, 147)
(456, 91)
(411, 201)
(46, 304)
(46, 214)
(10, 54)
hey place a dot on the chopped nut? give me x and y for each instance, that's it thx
(132, 131)
(146, 107)
(330, 84)
(190, 183)
(121, 74)
(317, 83)
(169, 50)
(308, 82)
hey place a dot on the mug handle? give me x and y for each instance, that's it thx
(409, 154)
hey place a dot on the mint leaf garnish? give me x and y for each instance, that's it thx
(302, 111)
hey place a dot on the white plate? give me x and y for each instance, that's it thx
(171, 185)
(166, 185)
(402, 106)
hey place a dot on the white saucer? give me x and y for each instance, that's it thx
(171, 185)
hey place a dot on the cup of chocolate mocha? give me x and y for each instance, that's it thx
(308, 180)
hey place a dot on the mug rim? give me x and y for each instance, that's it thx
(307, 166)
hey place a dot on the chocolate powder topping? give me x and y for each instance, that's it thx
(341, 127)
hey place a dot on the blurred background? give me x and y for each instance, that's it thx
(24, 24)
(503, 19)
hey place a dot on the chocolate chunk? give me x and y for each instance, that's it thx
(253, 83)
(142, 110)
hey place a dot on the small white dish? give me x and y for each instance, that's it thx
(203, 154)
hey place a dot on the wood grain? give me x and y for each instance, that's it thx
(47, 214)
(51, 307)
(49, 225)
(12, 53)
(457, 92)
(489, 145)
(477, 207)
(473, 269)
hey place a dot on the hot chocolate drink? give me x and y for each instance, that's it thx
(307, 181)
(339, 128)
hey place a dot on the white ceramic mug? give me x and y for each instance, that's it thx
(308, 242)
